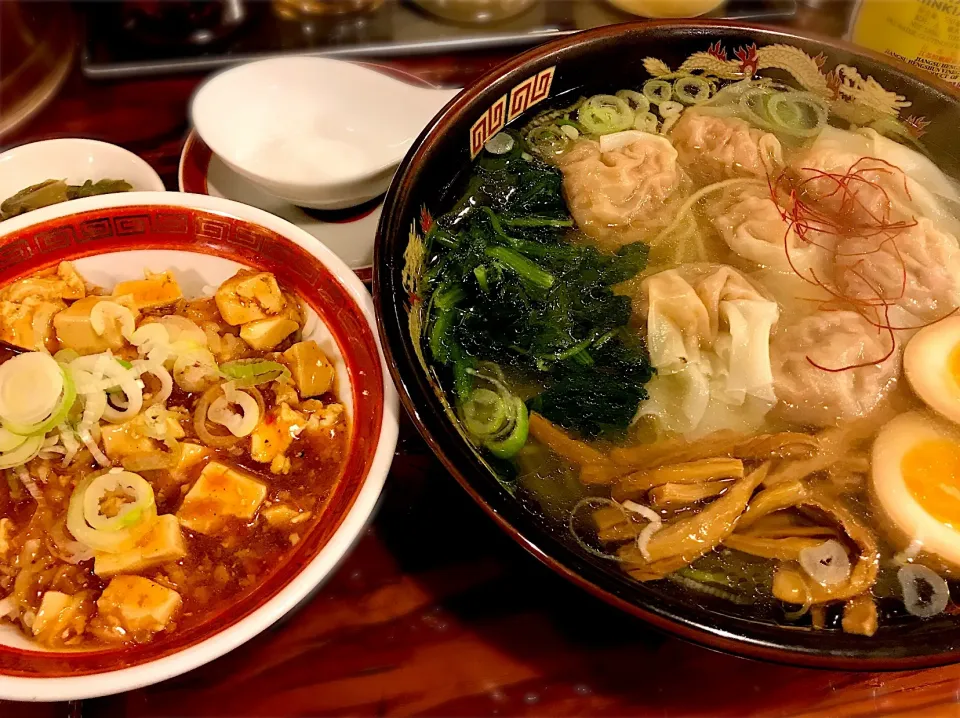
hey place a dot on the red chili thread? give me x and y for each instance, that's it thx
(805, 220)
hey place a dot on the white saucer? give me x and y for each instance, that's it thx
(350, 233)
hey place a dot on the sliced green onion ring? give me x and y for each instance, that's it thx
(239, 424)
(658, 91)
(753, 103)
(10, 441)
(670, 109)
(548, 141)
(102, 310)
(57, 415)
(253, 372)
(132, 485)
(27, 451)
(800, 114)
(30, 388)
(180, 329)
(510, 444)
(123, 537)
(646, 122)
(496, 418)
(604, 114)
(638, 101)
(485, 414)
(692, 90)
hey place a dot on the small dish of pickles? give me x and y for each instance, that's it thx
(43, 173)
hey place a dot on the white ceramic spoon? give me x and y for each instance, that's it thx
(313, 131)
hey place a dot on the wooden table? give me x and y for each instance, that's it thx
(436, 611)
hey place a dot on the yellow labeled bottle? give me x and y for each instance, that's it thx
(925, 33)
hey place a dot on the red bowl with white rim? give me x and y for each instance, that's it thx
(205, 240)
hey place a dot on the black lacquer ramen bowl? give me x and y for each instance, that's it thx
(603, 60)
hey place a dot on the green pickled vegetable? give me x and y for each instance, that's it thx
(48, 192)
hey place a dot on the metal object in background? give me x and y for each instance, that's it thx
(475, 11)
(394, 28)
(303, 9)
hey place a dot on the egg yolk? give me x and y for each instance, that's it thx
(953, 366)
(931, 473)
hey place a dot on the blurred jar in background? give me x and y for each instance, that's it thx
(181, 22)
(667, 8)
(475, 11)
(37, 43)
(300, 9)
(925, 33)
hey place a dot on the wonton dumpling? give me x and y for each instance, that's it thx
(712, 148)
(879, 197)
(897, 185)
(677, 320)
(724, 285)
(751, 224)
(834, 340)
(613, 194)
(928, 259)
(708, 334)
(915, 185)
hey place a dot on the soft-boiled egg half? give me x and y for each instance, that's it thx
(915, 482)
(931, 362)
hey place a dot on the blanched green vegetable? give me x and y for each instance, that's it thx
(505, 286)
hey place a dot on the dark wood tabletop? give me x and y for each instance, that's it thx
(437, 612)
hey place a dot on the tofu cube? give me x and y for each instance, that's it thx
(311, 370)
(163, 542)
(267, 333)
(191, 455)
(65, 283)
(75, 332)
(138, 604)
(157, 290)
(219, 495)
(275, 432)
(52, 606)
(120, 440)
(29, 324)
(249, 296)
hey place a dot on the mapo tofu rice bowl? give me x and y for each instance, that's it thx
(182, 433)
(701, 324)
